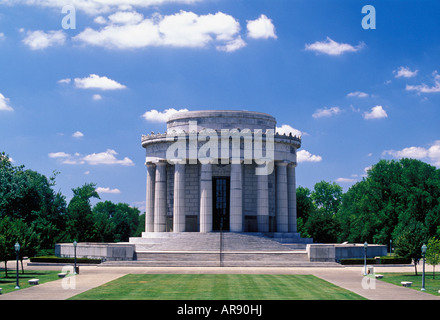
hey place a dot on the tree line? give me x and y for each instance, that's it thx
(397, 203)
(33, 214)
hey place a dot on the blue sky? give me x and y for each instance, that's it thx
(78, 100)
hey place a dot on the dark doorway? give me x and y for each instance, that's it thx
(220, 205)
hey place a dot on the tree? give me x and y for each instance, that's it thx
(433, 253)
(393, 195)
(409, 241)
(322, 222)
(80, 224)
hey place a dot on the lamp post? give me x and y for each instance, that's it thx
(391, 246)
(423, 273)
(17, 251)
(365, 258)
(74, 254)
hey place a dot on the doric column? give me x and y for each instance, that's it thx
(206, 198)
(149, 209)
(179, 198)
(160, 198)
(281, 197)
(262, 203)
(236, 198)
(291, 187)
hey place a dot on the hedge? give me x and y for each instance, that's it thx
(383, 260)
(54, 259)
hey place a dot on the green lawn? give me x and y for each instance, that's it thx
(217, 287)
(432, 286)
(8, 284)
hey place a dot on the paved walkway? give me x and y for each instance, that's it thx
(350, 278)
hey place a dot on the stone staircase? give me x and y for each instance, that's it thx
(216, 249)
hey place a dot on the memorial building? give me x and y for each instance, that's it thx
(221, 170)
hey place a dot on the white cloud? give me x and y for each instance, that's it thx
(59, 155)
(431, 154)
(358, 94)
(157, 116)
(66, 81)
(423, 88)
(305, 156)
(104, 158)
(405, 72)
(286, 129)
(78, 134)
(2, 36)
(5, 104)
(232, 45)
(108, 157)
(345, 180)
(126, 17)
(326, 112)
(38, 40)
(97, 97)
(95, 7)
(332, 47)
(94, 81)
(261, 28)
(376, 112)
(183, 29)
(107, 190)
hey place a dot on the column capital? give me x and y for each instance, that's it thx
(283, 163)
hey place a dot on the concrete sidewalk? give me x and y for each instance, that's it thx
(349, 278)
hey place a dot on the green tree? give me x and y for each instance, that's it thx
(81, 222)
(433, 253)
(322, 223)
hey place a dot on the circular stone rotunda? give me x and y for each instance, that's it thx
(221, 185)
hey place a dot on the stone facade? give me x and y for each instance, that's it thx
(200, 177)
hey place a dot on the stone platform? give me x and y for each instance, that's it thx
(219, 249)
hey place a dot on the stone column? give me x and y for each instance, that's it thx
(149, 209)
(160, 198)
(236, 198)
(206, 198)
(262, 203)
(281, 197)
(291, 187)
(179, 198)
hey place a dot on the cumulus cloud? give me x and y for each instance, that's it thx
(5, 104)
(103, 158)
(38, 40)
(101, 190)
(157, 116)
(326, 112)
(305, 156)
(405, 72)
(376, 112)
(78, 134)
(94, 81)
(286, 129)
(431, 154)
(130, 30)
(332, 47)
(261, 28)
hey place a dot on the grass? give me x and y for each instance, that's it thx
(8, 283)
(217, 287)
(432, 286)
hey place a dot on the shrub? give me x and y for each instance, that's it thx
(54, 259)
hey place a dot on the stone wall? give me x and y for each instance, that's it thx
(105, 251)
(336, 252)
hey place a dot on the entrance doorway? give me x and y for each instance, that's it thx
(220, 205)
